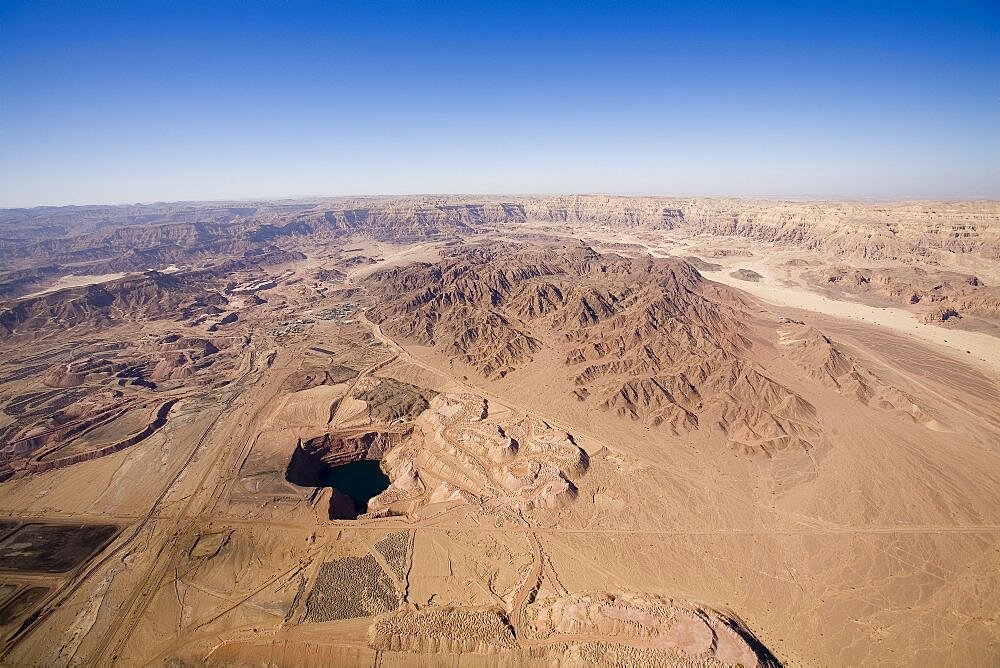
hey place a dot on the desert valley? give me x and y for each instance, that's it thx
(584, 430)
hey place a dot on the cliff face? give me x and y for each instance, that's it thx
(877, 232)
(882, 231)
(874, 231)
(645, 212)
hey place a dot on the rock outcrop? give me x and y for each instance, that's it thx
(825, 362)
(646, 339)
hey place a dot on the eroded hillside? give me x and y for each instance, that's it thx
(516, 431)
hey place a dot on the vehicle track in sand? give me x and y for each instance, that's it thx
(148, 519)
(405, 355)
(184, 527)
(528, 588)
(396, 522)
(129, 617)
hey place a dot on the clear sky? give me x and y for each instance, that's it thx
(115, 102)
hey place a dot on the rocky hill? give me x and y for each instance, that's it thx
(646, 339)
(150, 296)
(912, 285)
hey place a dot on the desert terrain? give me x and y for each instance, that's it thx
(500, 431)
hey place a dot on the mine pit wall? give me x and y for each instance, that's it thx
(313, 456)
(304, 467)
(159, 419)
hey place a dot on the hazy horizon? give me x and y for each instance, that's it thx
(214, 102)
(306, 198)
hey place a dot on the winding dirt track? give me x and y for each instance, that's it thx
(110, 647)
(529, 587)
(121, 550)
(184, 524)
(127, 617)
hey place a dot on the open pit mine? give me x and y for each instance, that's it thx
(524, 431)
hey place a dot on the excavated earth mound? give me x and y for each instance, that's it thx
(443, 629)
(639, 629)
(306, 379)
(598, 629)
(391, 400)
(458, 453)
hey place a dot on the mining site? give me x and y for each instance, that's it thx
(505, 431)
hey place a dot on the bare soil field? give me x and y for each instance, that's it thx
(53, 548)
(503, 431)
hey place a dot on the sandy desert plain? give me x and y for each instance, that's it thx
(501, 431)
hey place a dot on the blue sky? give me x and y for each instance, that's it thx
(134, 102)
